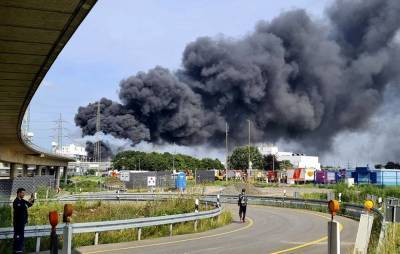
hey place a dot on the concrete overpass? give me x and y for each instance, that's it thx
(32, 34)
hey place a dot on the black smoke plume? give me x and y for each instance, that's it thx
(293, 78)
(105, 150)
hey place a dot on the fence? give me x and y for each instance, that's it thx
(9, 187)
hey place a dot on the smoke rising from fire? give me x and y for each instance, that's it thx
(292, 77)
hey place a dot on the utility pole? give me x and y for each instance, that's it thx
(26, 134)
(59, 129)
(273, 163)
(226, 151)
(173, 159)
(248, 174)
(97, 144)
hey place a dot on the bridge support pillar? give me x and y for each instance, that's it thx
(65, 173)
(38, 171)
(24, 170)
(57, 176)
(46, 170)
(13, 170)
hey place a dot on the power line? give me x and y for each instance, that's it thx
(60, 133)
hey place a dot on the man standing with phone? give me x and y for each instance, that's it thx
(20, 219)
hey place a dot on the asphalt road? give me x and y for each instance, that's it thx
(268, 230)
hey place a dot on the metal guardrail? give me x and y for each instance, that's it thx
(101, 226)
(350, 210)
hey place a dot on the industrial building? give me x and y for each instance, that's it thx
(73, 151)
(298, 160)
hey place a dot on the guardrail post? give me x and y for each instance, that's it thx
(38, 244)
(170, 230)
(139, 234)
(96, 238)
(333, 237)
(196, 205)
(195, 226)
(67, 239)
(363, 233)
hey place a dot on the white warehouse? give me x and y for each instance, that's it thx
(298, 160)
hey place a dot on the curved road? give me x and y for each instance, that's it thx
(268, 230)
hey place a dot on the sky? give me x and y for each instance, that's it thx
(120, 38)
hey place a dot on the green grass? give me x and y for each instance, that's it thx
(391, 241)
(315, 195)
(103, 211)
(87, 178)
(358, 193)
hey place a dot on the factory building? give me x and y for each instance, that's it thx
(298, 160)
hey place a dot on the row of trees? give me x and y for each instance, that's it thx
(135, 160)
(239, 159)
(389, 165)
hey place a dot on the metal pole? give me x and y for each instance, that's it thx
(173, 159)
(249, 150)
(273, 163)
(226, 151)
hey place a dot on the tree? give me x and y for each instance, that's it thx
(270, 162)
(239, 159)
(285, 165)
(162, 161)
(392, 165)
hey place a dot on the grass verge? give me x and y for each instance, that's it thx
(103, 211)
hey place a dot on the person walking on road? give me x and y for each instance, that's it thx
(20, 219)
(242, 203)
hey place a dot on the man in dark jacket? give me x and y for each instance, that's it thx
(242, 203)
(20, 219)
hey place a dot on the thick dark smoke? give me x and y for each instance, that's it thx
(106, 152)
(292, 78)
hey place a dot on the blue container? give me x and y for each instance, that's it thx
(362, 170)
(373, 177)
(180, 181)
(388, 177)
(355, 176)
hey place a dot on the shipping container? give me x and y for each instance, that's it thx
(387, 177)
(326, 177)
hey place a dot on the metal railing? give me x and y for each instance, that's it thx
(101, 226)
(353, 211)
